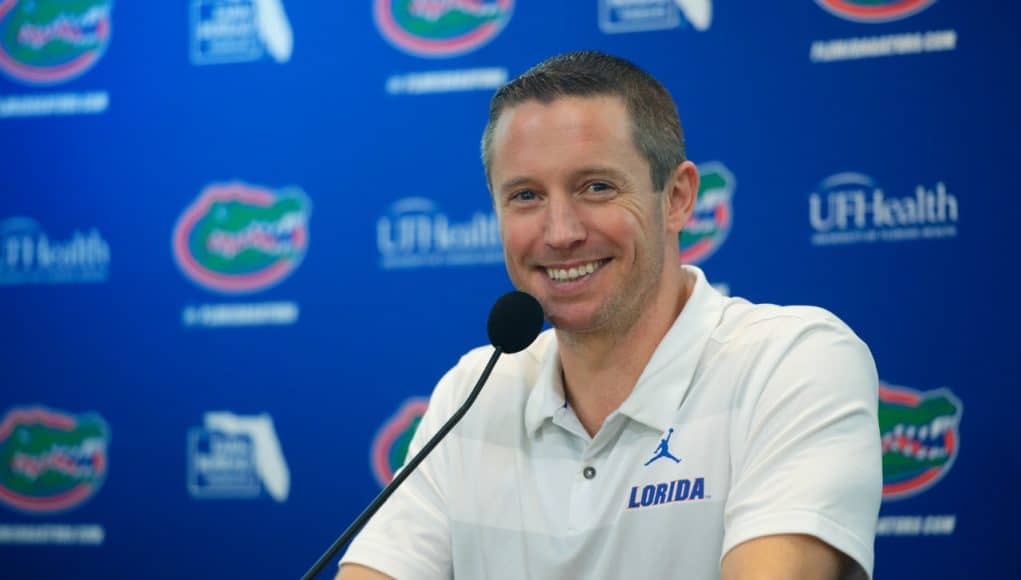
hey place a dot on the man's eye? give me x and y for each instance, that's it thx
(526, 195)
(599, 186)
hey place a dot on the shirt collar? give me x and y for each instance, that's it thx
(664, 382)
(547, 397)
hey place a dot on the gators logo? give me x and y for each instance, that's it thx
(390, 447)
(51, 461)
(441, 28)
(44, 42)
(238, 238)
(710, 223)
(920, 438)
(874, 10)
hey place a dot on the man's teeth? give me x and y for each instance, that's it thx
(569, 274)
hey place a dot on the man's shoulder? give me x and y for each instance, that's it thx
(809, 343)
(742, 321)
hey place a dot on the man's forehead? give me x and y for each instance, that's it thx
(567, 109)
(535, 123)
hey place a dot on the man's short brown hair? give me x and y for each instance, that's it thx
(655, 126)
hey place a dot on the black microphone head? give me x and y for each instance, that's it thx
(514, 321)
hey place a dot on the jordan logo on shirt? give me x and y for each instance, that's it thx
(663, 451)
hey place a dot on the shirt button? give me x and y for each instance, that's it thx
(589, 472)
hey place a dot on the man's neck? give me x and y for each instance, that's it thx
(600, 370)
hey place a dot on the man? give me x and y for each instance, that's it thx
(659, 430)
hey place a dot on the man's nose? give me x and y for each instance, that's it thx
(564, 227)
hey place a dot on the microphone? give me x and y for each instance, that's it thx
(514, 323)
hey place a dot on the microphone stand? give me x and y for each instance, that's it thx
(409, 467)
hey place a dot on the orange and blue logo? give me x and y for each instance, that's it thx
(710, 223)
(441, 28)
(390, 446)
(45, 42)
(873, 11)
(921, 438)
(238, 238)
(51, 461)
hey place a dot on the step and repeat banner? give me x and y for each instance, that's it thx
(240, 240)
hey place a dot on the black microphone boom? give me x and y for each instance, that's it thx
(514, 323)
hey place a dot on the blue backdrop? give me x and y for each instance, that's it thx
(240, 240)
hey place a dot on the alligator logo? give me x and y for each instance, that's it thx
(238, 238)
(45, 42)
(51, 461)
(390, 446)
(920, 438)
(441, 28)
(710, 222)
(872, 11)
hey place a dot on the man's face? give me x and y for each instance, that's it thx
(582, 228)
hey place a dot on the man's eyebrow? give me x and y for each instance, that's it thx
(597, 170)
(513, 183)
(589, 171)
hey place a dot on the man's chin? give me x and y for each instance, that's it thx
(573, 323)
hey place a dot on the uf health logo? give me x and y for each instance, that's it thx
(45, 42)
(850, 207)
(51, 461)
(230, 31)
(238, 238)
(390, 445)
(920, 438)
(235, 456)
(710, 223)
(415, 233)
(873, 11)
(441, 28)
(28, 255)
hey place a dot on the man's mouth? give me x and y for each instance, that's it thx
(570, 274)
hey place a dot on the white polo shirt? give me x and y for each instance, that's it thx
(749, 420)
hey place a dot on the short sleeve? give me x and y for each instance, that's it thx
(409, 537)
(809, 459)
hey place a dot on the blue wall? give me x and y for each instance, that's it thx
(225, 404)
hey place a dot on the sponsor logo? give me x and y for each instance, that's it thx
(898, 44)
(883, 45)
(923, 525)
(440, 28)
(920, 438)
(390, 446)
(52, 534)
(45, 42)
(238, 238)
(710, 223)
(231, 31)
(416, 234)
(28, 255)
(643, 15)
(446, 81)
(667, 492)
(873, 11)
(849, 208)
(236, 457)
(663, 450)
(51, 461)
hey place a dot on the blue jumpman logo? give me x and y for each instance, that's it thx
(664, 449)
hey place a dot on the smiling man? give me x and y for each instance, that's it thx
(660, 429)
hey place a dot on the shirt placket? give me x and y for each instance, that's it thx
(589, 475)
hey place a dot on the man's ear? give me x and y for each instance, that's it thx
(681, 196)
